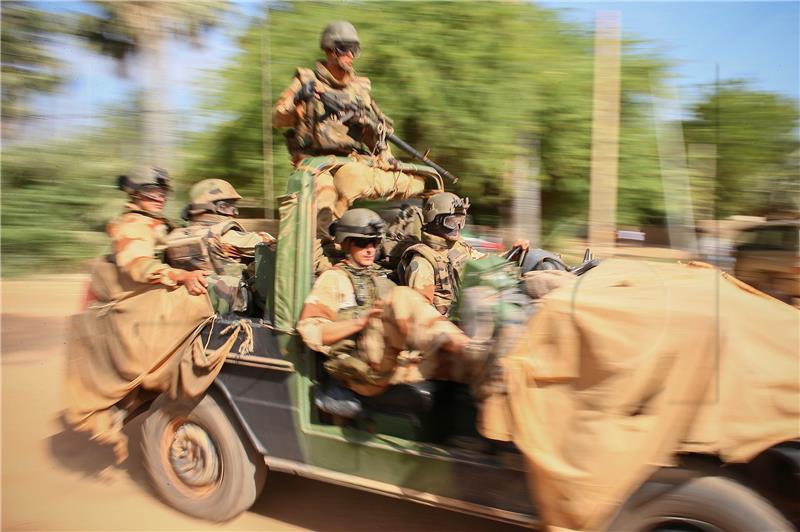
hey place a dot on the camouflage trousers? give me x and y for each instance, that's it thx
(401, 346)
(227, 293)
(335, 193)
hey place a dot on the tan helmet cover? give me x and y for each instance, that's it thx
(211, 190)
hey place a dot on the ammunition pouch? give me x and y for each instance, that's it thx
(188, 252)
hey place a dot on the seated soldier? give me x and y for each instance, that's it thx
(139, 234)
(215, 241)
(312, 106)
(434, 266)
(373, 332)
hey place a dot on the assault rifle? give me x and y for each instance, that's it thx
(356, 113)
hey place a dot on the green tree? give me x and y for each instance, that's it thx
(755, 136)
(57, 196)
(470, 89)
(141, 28)
(28, 67)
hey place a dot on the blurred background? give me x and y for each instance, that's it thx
(644, 128)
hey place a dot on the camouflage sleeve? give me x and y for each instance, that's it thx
(243, 243)
(321, 307)
(284, 114)
(133, 240)
(421, 277)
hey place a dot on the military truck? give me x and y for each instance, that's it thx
(210, 457)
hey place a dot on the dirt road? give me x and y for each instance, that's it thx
(55, 479)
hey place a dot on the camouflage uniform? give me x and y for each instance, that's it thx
(433, 268)
(138, 240)
(320, 131)
(218, 243)
(401, 346)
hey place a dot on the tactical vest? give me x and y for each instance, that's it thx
(446, 266)
(369, 285)
(403, 230)
(321, 132)
(200, 247)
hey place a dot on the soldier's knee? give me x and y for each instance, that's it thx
(354, 181)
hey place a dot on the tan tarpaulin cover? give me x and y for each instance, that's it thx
(136, 336)
(635, 361)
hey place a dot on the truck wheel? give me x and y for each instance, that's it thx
(704, 504)
(198, 461)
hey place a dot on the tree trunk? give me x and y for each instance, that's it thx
(157, 140)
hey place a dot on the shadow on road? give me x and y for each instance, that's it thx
(76, 451)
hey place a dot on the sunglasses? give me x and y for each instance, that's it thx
(342, 48)
(364, 242)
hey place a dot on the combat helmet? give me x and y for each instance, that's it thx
(142, 178)
(208, 195)
(358, 223)
(339, 31)
(444, 203)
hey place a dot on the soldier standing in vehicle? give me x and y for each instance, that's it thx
(374, 333)
(139, 234)
(307, 107)
(215, 241)
(434, 266)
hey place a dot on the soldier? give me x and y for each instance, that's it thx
(374, 333)
(215, 241)
(311, 107)
(139, 233)
(434, 266)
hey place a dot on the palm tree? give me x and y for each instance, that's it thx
(127, 29)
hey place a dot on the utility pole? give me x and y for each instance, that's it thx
(526, 202)
(605, 131)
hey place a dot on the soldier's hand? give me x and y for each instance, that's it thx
(521, 243)
(194, 281)
(307, 91)
(374, 312)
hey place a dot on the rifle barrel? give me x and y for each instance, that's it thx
(411, 150)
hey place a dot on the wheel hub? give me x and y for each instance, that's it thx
(193, 456)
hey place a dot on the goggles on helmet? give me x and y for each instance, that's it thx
(227, 208)
(152, 192)
(454, 221)
(341, 48)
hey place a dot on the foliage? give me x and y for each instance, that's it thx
(450, 80)
(28, 67)
(57, 197)
(755, 134)
(125, 29)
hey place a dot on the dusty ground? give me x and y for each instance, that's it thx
(54, 479)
